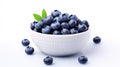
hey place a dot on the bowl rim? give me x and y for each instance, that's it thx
(61, 35)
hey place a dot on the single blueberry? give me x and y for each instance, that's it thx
(72, 23)
(74, 17)
(82, 59)
(48, 60)
(55, 26)
(73, 31)
(56, 32)
(46, 30)
(32, 26)
(65, 25)
(39, 26)
(48, 20)
(79, 21)
(64, 17)
(97, 39)
(56, 19)
(82, 28)
(85, 22)
(55, 13)
(25, 42)
(29, 50)
(65, 31)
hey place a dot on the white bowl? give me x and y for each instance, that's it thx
(60, 45)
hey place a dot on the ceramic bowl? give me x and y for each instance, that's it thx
(60, 45)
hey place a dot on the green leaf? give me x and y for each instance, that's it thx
(37, 17)
(44, 13)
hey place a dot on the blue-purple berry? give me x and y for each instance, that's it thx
(29, 50)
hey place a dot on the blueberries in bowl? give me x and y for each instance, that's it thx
(55, 13)
(46, 30)
(32, 26)
(73, 31)
(74, 17)
(48, 20)
(82, 28)
(72, 23)
(60, 24)
(55, 26)
(65, 25)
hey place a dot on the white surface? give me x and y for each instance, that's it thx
(103, 16)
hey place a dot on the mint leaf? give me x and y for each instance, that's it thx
(37, 17)
(44, 13)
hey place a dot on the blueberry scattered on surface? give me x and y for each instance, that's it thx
(97, 39)
(48, 60)
(82, 59)
(25, 42)
(29, 50)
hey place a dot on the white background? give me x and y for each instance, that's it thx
(103, 16)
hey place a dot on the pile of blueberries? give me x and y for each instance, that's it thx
(59, 24)
(49, 60)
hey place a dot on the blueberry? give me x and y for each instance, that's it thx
(79, 21)
(82, 28)
(73, 31)
(64, 17)
(39, 26)
(65, 31)
(56, 19)
(48, 60)
(82, 59)
(97, 39)
(72, 23)
(85, 22)
(74, 17)
(56, 32)
(29, 50)
(55, 26)
(65, 25)
(55, 13)
(48, 20)
(32, 26)
(36, 30)
(46, 30)
(25, 42)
